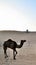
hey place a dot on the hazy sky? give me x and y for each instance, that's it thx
(18, 15)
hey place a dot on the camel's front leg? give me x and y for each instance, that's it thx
(14, 55)
(15, 51)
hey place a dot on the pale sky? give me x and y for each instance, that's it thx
(18, 15)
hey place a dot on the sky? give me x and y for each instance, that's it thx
(18, 15)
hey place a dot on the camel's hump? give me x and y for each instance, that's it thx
(9, 40)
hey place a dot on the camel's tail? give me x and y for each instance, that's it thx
(4, 45)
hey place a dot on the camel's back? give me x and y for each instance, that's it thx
(10, 43)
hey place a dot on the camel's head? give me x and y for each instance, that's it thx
(23, 41)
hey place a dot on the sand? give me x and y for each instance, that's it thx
(24, 58)
(26, 55)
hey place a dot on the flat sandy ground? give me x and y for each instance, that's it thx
(26, 55)
(25, 58)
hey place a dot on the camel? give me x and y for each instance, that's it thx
(12, 45)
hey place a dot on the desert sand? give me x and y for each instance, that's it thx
(25, 58)
(26, 55)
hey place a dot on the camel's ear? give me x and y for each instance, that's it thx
(22, 40)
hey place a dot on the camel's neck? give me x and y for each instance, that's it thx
(19, 46)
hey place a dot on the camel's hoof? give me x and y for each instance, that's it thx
(14, 58)
(6, 56)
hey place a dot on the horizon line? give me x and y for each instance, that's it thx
(15, 31)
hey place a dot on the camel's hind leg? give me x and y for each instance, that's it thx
(13, 54)
(5, 48)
